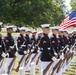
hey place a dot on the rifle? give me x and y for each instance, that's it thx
(60, 62)
(9, 67)
(38, 59)
(2, 61)
(1, 58)
(26, 60)
(4, 45)
(36, 47)
(47, 68)
(62, 50)
(57, 66)
(17, 69)
(34, 57)
(70, 54)
(68, 57)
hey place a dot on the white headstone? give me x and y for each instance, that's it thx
(21, 71)
(32, 70)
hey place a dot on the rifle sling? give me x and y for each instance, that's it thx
(9, 67)
(47, 68)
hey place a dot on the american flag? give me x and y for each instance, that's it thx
(69, 21)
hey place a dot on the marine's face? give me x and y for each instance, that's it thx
(10, 31)
(65, 34)
(22, 32)
(60, 33)
(34, 34)
(70, 35)
(28, 33)
(39, 34)
(46, 30)
(55, 32)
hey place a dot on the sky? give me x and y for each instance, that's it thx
(67, 2)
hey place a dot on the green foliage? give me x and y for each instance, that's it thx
(32, 12)
(73, 4)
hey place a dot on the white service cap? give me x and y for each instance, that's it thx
(9, 27)
(28, 30)
(1, 23)
(22, 29)
(40, 32)
(45, 25)
(34, 31)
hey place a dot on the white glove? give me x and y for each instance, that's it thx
(38, 48)
(25, 52)
(67, 49)
(55, 54)
(28, 51)
(3, 55)
(32, 50)
(7, 54)
(11, 47)
(16, 54)
(38, 51)
(71, 51)
(33, 47)
(23, 45)
(63, 54)
(54, 58)
(62, 57)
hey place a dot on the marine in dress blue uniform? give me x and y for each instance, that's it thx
(10, 49)
(22, 45)
(2, 51)
(47, 51)
(55, 41)
(27, 36)
(61, 41)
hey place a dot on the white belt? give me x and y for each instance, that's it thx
(0, 46)
(48, 48)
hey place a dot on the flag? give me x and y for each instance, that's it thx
(69, 21)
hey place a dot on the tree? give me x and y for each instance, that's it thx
(73, 4)
(32, 12)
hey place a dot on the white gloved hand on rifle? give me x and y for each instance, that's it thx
(38, 51)
(32, 50)
(67, 49)
(3, 55)
(55, 54)
(28, 51)
(7, 55)
(16, 54)
(54, 58)
(25, 52)
(62, 56)
(23, 45)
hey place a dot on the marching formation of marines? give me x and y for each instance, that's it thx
(51, 53)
